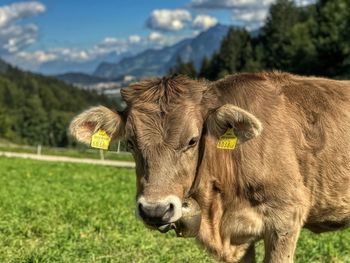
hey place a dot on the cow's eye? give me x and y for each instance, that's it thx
(193, 142)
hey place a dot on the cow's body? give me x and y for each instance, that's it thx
(294, 174)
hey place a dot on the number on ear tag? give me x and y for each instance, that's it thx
(227, 141)
(100, 140)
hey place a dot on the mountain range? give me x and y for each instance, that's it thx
(157, 62)
(150, 62)
(63, 66)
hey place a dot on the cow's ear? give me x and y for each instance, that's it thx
(245, 125)
(88, 122)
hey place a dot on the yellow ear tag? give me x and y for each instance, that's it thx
(227, 141)
(100, 140)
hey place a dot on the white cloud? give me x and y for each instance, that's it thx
(134, 39)
(33, 59)
(155, 36)
(16, 37)
(204, 22)
(118, 45)
(12, 13)
(247, 13)
(168, 20)
(37, 56)
(111, 43)
(115, 43)
(159, 40)
(250, 18)
(241, 4)
(229, 4)
(73, 54)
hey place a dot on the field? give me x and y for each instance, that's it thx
(57, 212)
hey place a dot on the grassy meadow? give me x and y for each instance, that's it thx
(59, 212)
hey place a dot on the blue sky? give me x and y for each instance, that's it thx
(84, 23)
(35, 32)
(87, 22)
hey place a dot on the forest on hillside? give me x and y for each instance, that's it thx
(37, 110)
(310, 40)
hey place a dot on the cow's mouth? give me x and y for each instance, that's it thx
(167, 227)
(188, 225)
(163, 228)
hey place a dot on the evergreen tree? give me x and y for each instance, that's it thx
(276, 39)
(302, 50)
(235, 55)
(183, 68)
(332, 38)
(205, 68)
(307, 40)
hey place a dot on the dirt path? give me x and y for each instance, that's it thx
(53, 158)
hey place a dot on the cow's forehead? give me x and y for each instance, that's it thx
(164, 90)
(149, 124)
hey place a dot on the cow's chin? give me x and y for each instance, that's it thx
(166, 228)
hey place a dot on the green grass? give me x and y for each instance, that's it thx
(59, 212)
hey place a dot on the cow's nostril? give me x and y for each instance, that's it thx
(140, 207)
(141, 211)
(169, 212)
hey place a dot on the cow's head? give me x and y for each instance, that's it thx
(164, 125)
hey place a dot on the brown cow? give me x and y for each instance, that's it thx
(290, 168)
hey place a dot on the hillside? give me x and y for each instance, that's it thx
(36, 109)
(157, 62)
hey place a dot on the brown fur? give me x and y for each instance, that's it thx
(295, 174)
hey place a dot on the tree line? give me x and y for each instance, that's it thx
(37, 110)
(309, 40)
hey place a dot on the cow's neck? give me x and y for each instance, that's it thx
(221, 188)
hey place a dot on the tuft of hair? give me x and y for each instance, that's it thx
(163, 91)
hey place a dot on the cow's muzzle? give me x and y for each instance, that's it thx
(159, 213)
(165, 216)
(156, 214)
